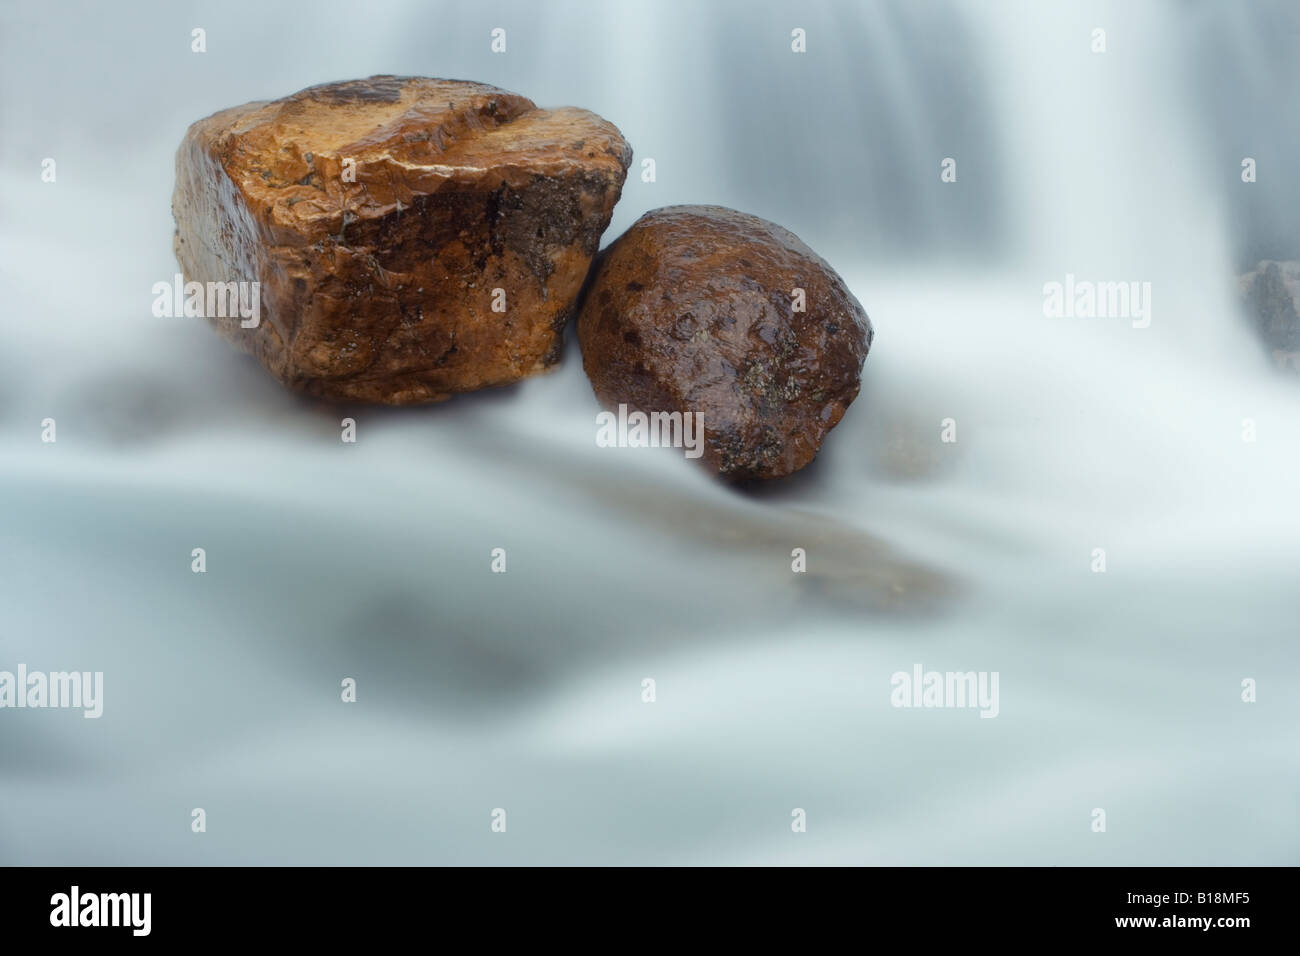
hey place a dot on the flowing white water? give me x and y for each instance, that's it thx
(523, 691)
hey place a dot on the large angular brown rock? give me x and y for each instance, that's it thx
(381, 215)
(694, 309)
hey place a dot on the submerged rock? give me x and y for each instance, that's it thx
(1272, 297)
(412, 238)
(710, 311)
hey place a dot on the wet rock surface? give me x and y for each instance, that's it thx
(1271, 295)
(413, 238)
(707, 310)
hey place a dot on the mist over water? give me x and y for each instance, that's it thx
(523, 691)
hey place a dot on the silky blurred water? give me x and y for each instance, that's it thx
(522, 690)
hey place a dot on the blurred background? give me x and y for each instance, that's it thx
(522, 690)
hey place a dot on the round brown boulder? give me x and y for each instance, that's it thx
(707, 310)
